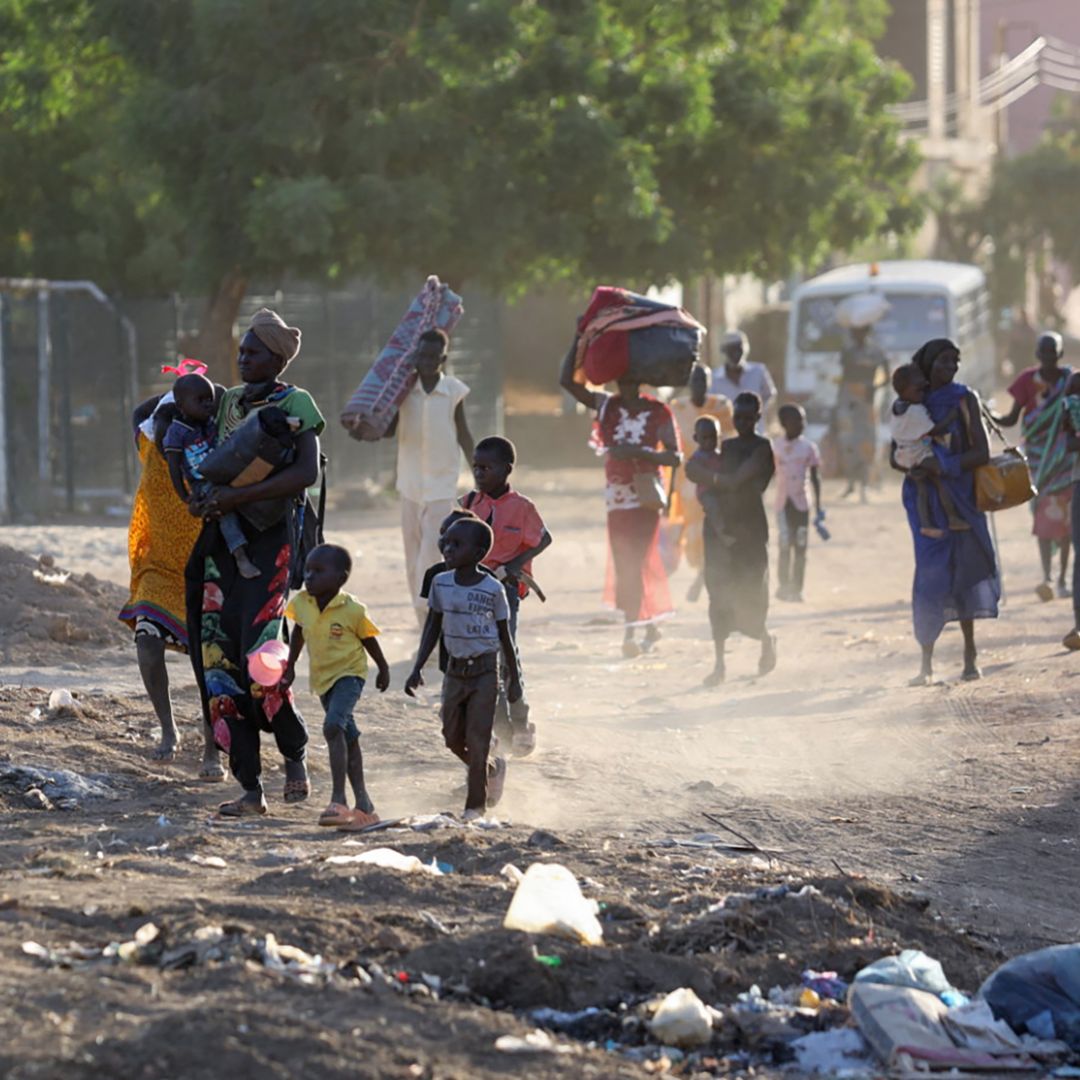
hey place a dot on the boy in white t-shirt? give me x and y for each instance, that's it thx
(468, 608)
(913, 434)
(797, 470)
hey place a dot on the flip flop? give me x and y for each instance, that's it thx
(296, 790)
(242, 807)
(360, 821)
(335, 814)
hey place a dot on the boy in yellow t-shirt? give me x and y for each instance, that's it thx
(340, 637)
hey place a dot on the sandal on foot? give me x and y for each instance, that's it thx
(1045, 592)
(242, 807)
(296, 790)
(359, 821)
(335, 814)
(496, 781)
(630, 648)
(1072, 639)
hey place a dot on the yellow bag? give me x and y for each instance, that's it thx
(1005, 480)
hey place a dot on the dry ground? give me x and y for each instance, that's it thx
(960, 797)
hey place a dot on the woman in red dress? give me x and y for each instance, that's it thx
(637, 435)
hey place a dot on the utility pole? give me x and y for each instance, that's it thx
(936, 34)
(1001, 118)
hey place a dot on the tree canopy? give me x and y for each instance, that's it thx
(204, 143)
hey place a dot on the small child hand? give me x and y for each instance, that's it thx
(415, 679)
(382, 680)
(514, 692)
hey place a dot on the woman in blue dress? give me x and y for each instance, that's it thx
(956, 574)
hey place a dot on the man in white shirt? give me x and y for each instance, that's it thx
(738, 375)
(430, 427)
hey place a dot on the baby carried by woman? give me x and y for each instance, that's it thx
(914, 434)
(197, 462)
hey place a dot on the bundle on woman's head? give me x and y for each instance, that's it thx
(929, 352)
(270, 328)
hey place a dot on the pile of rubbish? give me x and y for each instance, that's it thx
(41, 788)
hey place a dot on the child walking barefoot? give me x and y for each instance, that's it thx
(469, 609)
(188, 440)
(340, 638)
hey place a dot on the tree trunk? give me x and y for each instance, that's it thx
(217, 343)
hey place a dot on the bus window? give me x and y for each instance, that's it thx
(912, 319)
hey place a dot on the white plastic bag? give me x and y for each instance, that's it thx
(682, 1020)
(389, 859)
(548, 901)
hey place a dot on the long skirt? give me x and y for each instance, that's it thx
(160, 538)
(737, 581)
(229, 616)
(636, 581)
(956, 575)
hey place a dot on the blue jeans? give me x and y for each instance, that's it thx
(229, 524)
(339, 702)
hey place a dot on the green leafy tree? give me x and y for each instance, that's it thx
(495, 142)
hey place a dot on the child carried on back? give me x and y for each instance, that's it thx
(914, 434)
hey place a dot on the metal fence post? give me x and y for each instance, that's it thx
(44, 351)
(5, 491)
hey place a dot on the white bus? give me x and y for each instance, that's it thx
(926, 300)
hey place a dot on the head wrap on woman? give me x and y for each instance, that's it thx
(270, 328)
(925, 357)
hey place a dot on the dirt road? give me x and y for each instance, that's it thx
(963, 794)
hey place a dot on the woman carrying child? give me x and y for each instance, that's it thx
(230, 615)
(956, 575)
(637, 435)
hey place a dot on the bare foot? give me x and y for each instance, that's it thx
(924, 678)
(246, 567)
(971, 670)
(630, 648)
(768, 655)
(652, 636)
(212, 771)
(1044, 591)
(166, 749)
(934, 534)
(715, 677)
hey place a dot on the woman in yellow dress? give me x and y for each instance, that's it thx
(160, 538)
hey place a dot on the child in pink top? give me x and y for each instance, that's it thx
(797, 465)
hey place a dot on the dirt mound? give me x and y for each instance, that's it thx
(49, 613)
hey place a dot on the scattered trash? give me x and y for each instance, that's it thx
(909, 1029)
(61, 699)
(435, 922)
(208, 944)
(388, 859)
(512, 874)
(535, 1042)
(36, 799)
(548, 960)
(915, 969)
(840, 1050)
(825, 984)
(549, 901)
(61, 786)
(54, 577)
(215, 861)
(682, 1020)
(1039, 992)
